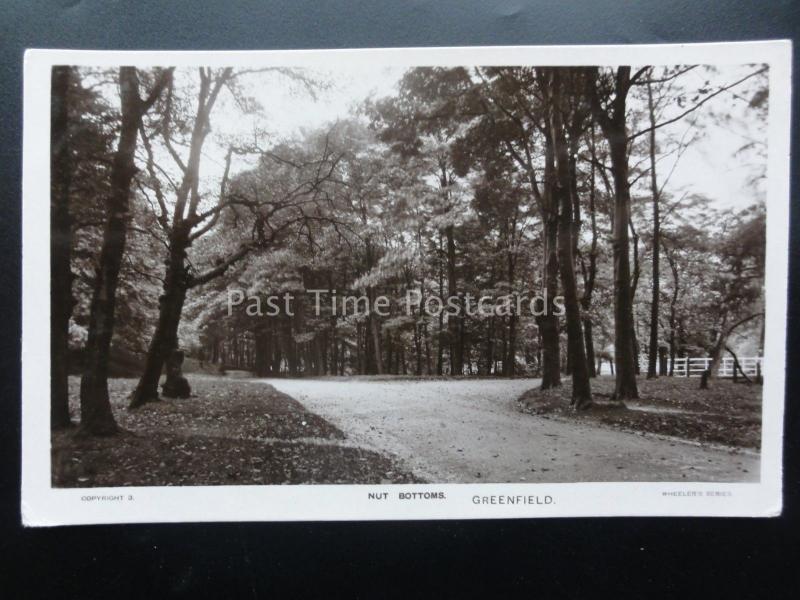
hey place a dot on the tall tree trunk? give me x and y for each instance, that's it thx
(548, 322)
(417, 348)
(170, 307)
(590, 272)
(96, 415)
(61, 300)
(510, 360)
(374, 361)
(624, 333)
(581, 390)
(634, 286)
(615, 131)
(454, 338)
(673, 350)
(440, 340)
(652, 354)
(453, 333)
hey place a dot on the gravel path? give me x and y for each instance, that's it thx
(470, 431)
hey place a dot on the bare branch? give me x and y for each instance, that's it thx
(697, 105)
(163, 217)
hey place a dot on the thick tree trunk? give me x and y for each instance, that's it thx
(624, 333)
(61, 300)
(590, 273)
(715, 355)
(548, 323)
(581, 390)
(170, 307)
(652, 354)
(96, 415)
(615, 130)
(176, 385)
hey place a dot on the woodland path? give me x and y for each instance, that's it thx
(470, 431)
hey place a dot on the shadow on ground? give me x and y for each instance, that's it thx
(231, 432)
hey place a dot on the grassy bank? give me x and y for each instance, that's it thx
(728, 413)
(231, 432)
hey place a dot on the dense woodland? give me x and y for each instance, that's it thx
(168, 191)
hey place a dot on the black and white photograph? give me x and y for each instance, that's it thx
(390, 284)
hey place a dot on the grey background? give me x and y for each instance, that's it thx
(560, 558)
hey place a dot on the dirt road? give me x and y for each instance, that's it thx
(470, 431)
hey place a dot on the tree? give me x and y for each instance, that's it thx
(516, 119)
(652, 354)
(61, 300)
(612, 120)
(562, 190)
(589, 270)
(737, 282)
(183, 226)
(417, 123)
(83, 131)
(187, 218)
(96, 415)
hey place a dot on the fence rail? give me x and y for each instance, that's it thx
(752, 366)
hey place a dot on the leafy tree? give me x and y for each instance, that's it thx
(96, 415)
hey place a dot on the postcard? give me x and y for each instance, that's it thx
(417, 283)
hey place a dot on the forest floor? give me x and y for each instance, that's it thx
(727, 413)
(230, 432)
(460, 431)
